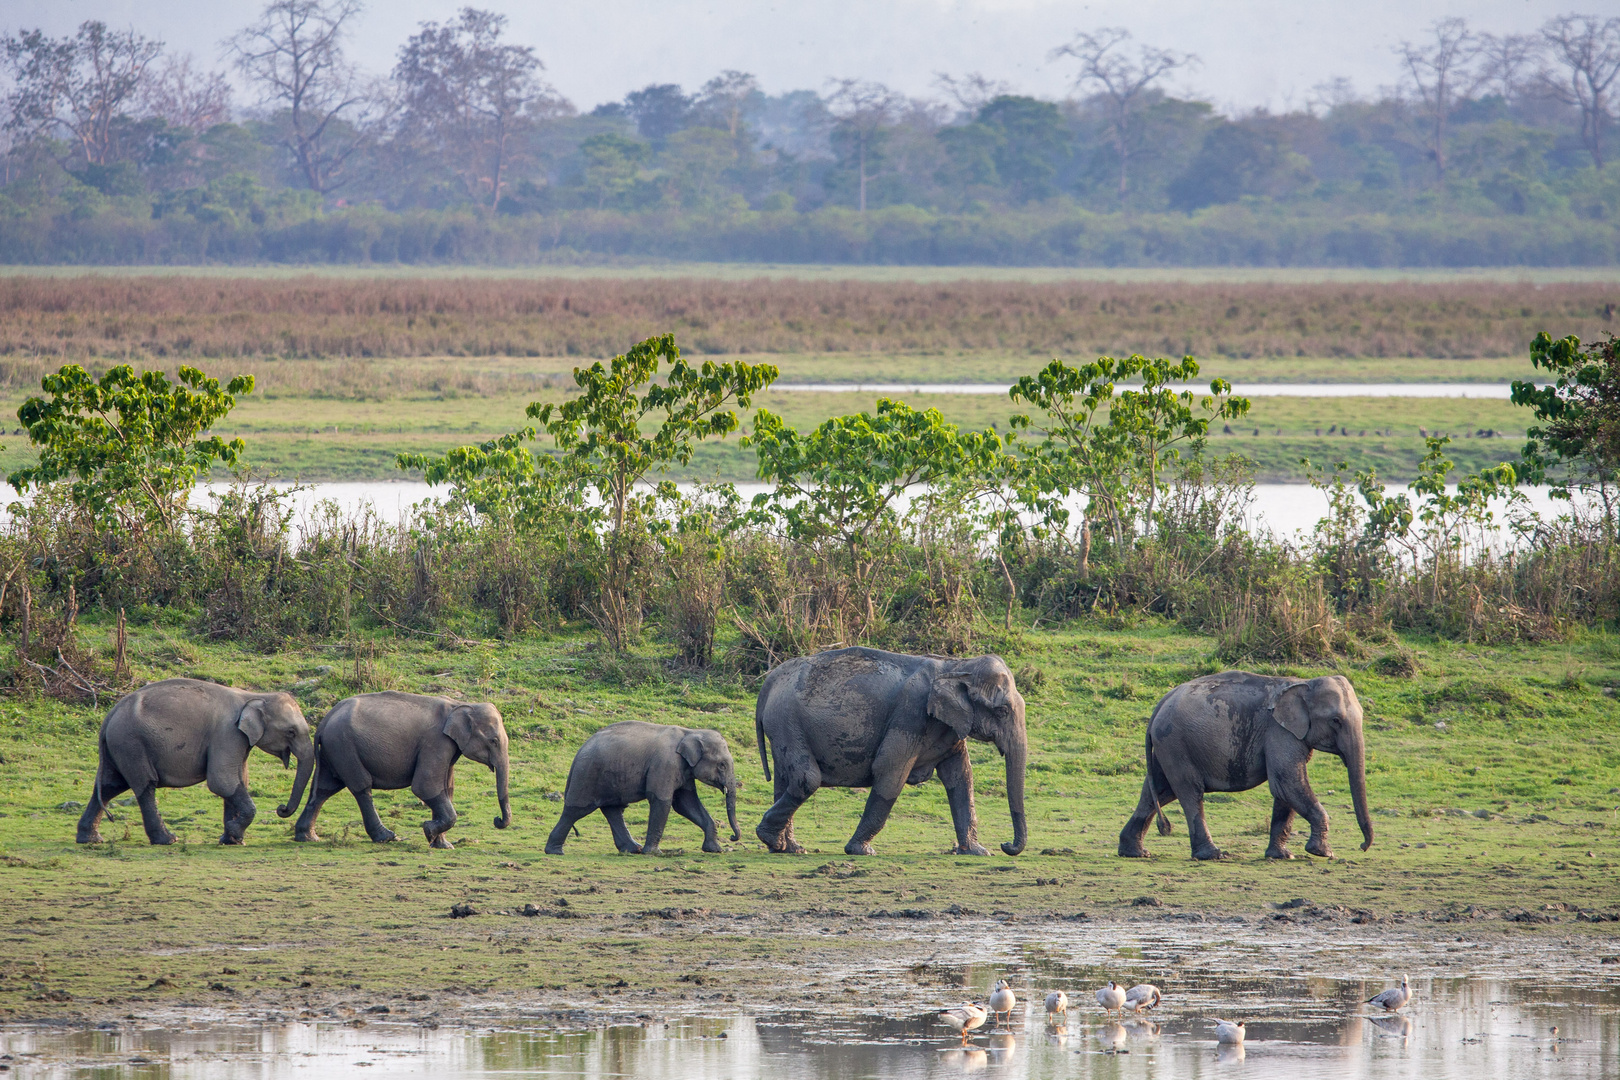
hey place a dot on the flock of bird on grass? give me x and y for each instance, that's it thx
(1115, 1000)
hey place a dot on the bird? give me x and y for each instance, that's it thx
(1002, 1000)
(1143, 996)
(1228, 1032)
(1057, 1004)
(1111, 997)
(1393, 998)
(964, 1018)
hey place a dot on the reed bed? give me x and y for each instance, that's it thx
(53, 319)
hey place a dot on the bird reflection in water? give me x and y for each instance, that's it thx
(1112, 1036)
(1142, 1029)
(1002, 1045)
(1392, 1027)
(967, 1058)
(1230, 1053)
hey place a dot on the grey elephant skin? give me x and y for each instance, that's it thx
(862, 717)
(1235, 731)
(633, 760)
(392, 740)
(181, 732)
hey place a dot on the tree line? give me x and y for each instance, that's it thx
(120, 150)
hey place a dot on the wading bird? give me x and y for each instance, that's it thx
(1393, 999)
(1112, 997)
(1002, 1000)
(1057, 1004)
(1143, 996)
(1228, 1032)
(964, 1018)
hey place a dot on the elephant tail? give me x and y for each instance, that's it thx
(1154, 775)
(759, 735)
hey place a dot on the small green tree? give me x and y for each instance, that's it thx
(1576, 442)
(132, 442)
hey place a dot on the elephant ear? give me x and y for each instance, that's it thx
(1288, 709)
(250, 721)
(948, 703)
(691, 749)
(459, 728)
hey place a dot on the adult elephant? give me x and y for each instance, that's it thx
(633, 760)
(1235, 731)
(866, 718)
(181, 732)
(393, 740)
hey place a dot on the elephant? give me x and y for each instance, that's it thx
(861, 717)
(1235, 730)
(392, 740)
(633, 760)
(181, 732)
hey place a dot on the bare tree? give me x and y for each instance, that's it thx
(972, 91)
(1440, 73)
(862, 109)
(467, 95)
(75, 86)
(1122, 83)
(1503, 60)
(184, 95)
(725, 96)
(294, 54)
(1588, 49)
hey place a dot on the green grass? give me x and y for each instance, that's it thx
(1493, 775)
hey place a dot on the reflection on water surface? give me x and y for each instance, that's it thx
(1458, 1029)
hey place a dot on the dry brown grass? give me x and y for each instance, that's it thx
(46, 320)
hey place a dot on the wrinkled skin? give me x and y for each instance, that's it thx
(1235, 731)
(866, 718)
(393, 740)
(181, 732)
(633, 760)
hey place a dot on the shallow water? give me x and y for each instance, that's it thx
(1302, 1028)
(1496, 391)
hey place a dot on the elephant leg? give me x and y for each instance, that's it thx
(775, 829)
(109, 785)
(689, 806)
(239, 814)
(151, 820)
(873, 818)
(1203, 845)
(657, 818)
(1282, 820)
(326, 785)
(1289, 786)
(956, 773)
(621, 835)
(375, 829)
(1135, 830)
(444, 819)
(559, 833)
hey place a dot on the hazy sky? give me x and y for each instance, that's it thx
(1259, 52)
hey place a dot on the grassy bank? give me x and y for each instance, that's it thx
(1493, 775)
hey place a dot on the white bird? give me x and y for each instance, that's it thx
(1228, 1032)
(1144, 996)
(1393, 999)
(1002, 1000)
(964, 1018)
(1057, 1004)
(1111, 997)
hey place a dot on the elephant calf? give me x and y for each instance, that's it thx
(392, 740)
(1235, 731)
(633, 760)
(181, 732)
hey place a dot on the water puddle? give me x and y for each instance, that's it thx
(1298, 1028)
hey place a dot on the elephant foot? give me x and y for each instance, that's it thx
(1319, 848)
(780, 843)
(972, 847)
(435, 839)
(554, 849)
(231, 839)
(441, 843)
(304, 837)
(712, 847)
(88, 838)
(858, 847)
(383, 836)
(1132, 849)
(1208, 853)
(162, 839)
(1278, 853)
(634, 849)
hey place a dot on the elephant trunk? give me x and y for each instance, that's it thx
(304, 750)
(501, 768)
(731, 809)
(1352, 748)
(1016, 752)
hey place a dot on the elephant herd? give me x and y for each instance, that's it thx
(851, 718)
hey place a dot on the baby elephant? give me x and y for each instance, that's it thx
(633, 760)
(393, 740)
